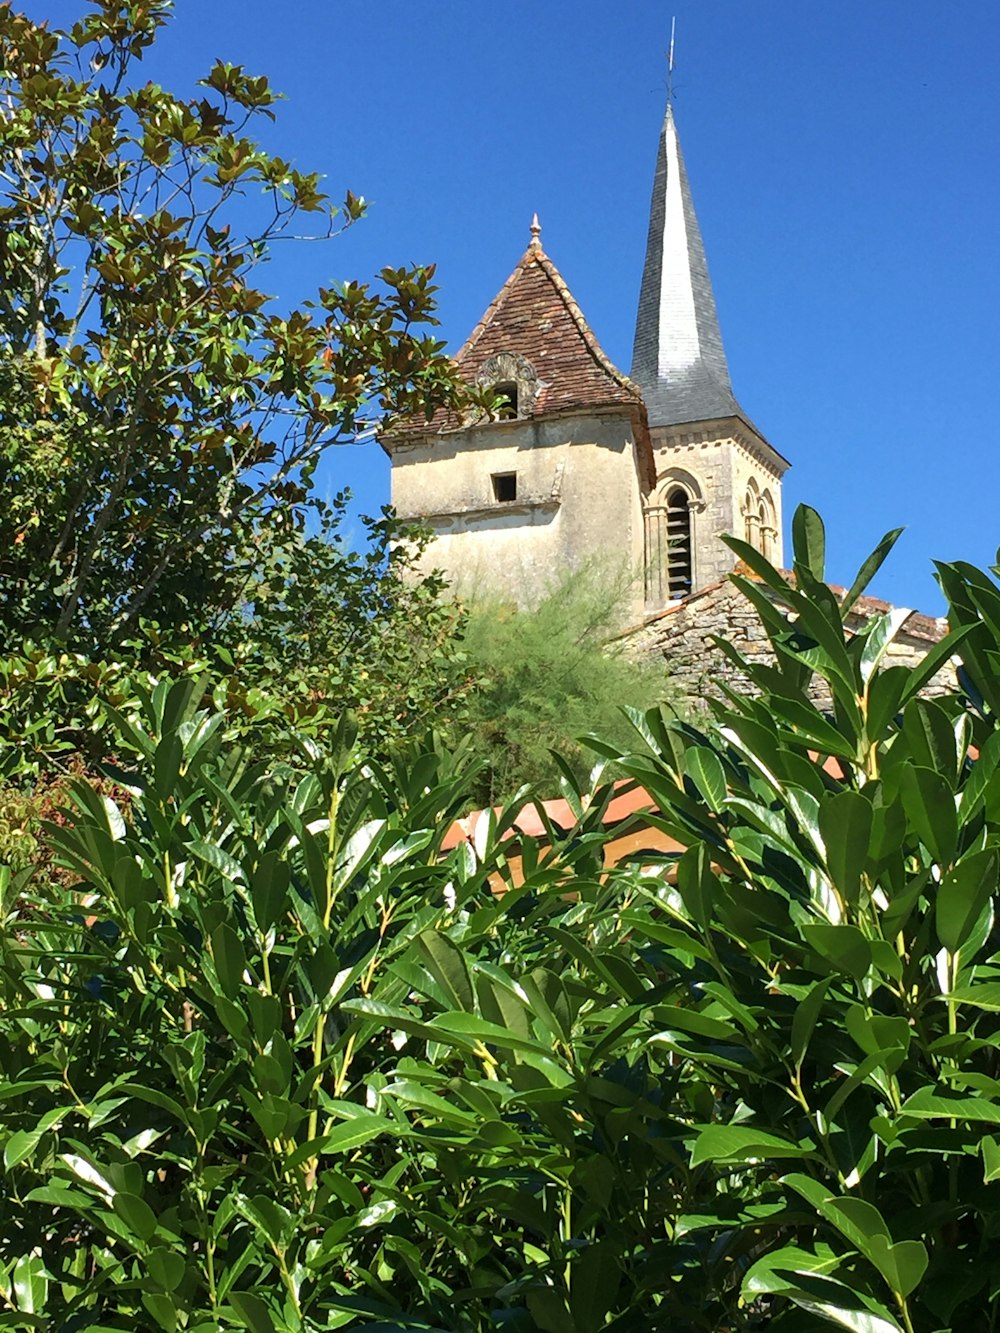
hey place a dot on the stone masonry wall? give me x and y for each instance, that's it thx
(682, 635)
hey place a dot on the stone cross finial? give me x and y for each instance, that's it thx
(536, 231)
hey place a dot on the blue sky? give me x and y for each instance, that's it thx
(844, 164)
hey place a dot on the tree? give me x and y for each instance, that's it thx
(329, 628)
(839, 948)
(159, 420)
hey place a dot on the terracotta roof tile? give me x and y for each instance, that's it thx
(534, 314)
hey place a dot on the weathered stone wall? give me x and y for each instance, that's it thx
(682, 636)
(578, 499)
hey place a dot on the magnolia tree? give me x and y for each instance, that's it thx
(161, 419)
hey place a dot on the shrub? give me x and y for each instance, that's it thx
(542, 677)
(307, 1069)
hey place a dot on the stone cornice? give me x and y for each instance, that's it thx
(497, 509)
(718, 431)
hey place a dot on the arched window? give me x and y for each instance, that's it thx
(669, 517)
(768, 527)
(752, 510)
(679, 547)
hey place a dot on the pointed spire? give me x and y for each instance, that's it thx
(678, 359)
(536, 231)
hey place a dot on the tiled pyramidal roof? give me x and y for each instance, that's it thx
(535, 315)
(678, 359)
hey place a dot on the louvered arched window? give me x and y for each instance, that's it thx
(679, 546)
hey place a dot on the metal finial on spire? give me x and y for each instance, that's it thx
(536, 230)
(670, 61)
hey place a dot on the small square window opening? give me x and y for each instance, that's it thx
(507, 394)
(504, 486)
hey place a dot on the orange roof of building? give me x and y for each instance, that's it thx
(534, 314)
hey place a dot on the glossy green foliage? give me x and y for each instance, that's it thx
(291, 1054)
(280, 1060)
(840, 882)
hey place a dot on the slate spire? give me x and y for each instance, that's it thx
(678, 359)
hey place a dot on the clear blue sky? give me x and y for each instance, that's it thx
(844, 164)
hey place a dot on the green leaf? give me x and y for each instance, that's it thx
(448, 966)
(844, 946)
(902, 1264)
(985, 995)
(178, 702)
(809, 541)
(990, 1150)
(594, 1279)
(218, 859)
(930, 734)
(31, 1284)
(166, 765)
(23, 1142)
(805, 1017)
(861, 1224)
(697, 884)
(869, 568)
(549, 1312)
(269, 890)
(845, 821)
(162, 1309)
(252, 1313)
(878, 1034)
(549, 1001)
(166, 1267)
(342, 1138)
(939, 656)
(705, 770)
(267, 1216)
(229, 958)
(929, 1105)
(233, 1019)
(136, 1214)
(805, 1280)
(741, 1144)
(760, 565)
(962, 896)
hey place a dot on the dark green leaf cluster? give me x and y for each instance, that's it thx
(840, 881)
(288, 1058)
(292, 1052)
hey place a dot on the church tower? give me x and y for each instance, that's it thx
(558, 479)
(715, 471)
(582, 462)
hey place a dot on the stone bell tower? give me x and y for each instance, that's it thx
(558, 478)
(715, 471)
